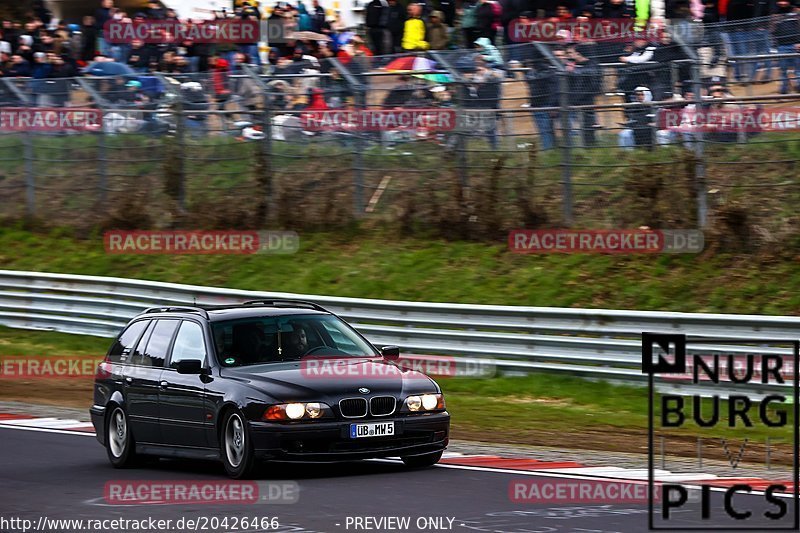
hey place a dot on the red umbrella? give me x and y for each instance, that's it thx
(410, 63)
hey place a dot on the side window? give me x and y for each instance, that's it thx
(136, 356)
(156, 351)
(189, 344)
(120, 351)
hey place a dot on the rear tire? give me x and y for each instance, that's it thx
(422, 461)
(236, 446)
(120, 446)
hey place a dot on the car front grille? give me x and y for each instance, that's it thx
(382, 405)
(353, 407)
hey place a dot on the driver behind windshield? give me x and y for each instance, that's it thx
(298, 342)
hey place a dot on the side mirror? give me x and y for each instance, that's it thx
(190, 366)
(390, 353)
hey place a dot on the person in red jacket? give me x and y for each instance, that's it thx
(220, 80)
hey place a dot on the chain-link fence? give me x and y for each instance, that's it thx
(468, 142)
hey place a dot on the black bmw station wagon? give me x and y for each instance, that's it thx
(262, 380)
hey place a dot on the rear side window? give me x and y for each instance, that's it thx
(156, 351)
(189, 344)
(121, 350)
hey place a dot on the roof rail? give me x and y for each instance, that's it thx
(176, 309)
(287, 303)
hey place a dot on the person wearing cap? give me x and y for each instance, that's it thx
(437, 31)
(640, 121)
(414, 30)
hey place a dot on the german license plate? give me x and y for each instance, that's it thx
(376, 429)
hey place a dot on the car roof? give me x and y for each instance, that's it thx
(232, 313)
(244, 310)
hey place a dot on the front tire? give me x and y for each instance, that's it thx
(236, 446)
(120, 446)
(422, 461)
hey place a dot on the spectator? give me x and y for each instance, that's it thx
(353, 48)
(448, 8)
(414, 30)
(19, 67)
(543, 89)
(484, 94)
(786, 33)
(88, 39)
(303, 18)
(377, 21)
(155, 11)
(437, 31)
(640, 121)
(489, 52)
(469, 22)
(105, 13)
(718, 92)
(396, 24)
(62, 72)
(585, 82)
(485, 17)
(746, 38)
(194, 103)
(612, 9)
(139, 56)
(251, 12)
(220, 78)
(637, 72)
(318, 22)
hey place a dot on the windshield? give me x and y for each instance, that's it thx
(259, 340)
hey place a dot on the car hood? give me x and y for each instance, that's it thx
(331, 379)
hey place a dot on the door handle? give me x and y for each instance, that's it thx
(163, 384)
(129, 380)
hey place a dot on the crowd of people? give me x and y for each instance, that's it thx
(48, 50)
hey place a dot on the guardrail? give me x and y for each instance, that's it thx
(592, 343)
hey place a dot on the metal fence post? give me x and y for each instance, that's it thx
(180, 152)
(102, 165)
(566, 146)
(30, 179)
(267, 149)
(699, 153)
(358, 161)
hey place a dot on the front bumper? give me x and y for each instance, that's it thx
(330, 441)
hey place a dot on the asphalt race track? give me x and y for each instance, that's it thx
(63, 476)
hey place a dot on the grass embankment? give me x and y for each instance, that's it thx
(382, 265)
(557, 411)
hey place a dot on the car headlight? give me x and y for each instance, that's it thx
(297, 411)
(425, 402)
